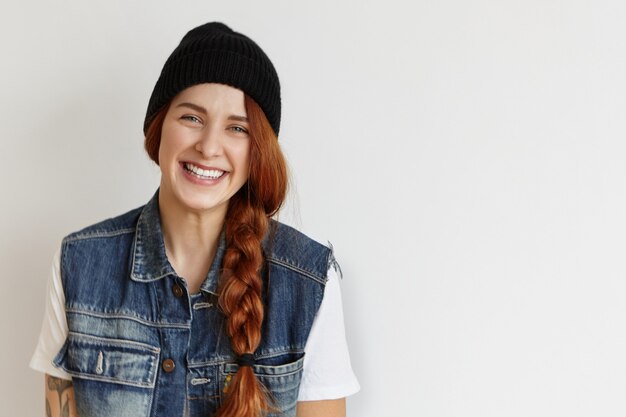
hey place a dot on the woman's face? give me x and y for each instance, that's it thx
(204, 153)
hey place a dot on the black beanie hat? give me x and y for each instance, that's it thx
(214, 53)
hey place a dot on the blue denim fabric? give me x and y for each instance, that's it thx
(127, 316)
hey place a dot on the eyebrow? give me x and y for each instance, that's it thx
(238, 118)
(203, 111)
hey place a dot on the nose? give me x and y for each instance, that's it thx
(209, 144)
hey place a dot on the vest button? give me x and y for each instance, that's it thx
(168, 365)
(177, 290)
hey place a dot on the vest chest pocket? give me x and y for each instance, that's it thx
(282, 381)
(109, 360)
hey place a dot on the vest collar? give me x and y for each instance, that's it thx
(150, 261)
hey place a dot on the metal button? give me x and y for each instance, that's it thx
(177, 290)
(168, 365)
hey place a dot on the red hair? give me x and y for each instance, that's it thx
(247, 222)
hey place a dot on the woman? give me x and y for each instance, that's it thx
(197, 303)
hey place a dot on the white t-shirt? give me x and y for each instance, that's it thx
(327, 372)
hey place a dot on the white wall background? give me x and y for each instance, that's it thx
(466, 159)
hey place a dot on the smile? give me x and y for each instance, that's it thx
(206, 174)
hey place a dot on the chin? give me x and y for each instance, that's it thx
(200, 204)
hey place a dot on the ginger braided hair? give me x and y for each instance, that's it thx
(247, 222)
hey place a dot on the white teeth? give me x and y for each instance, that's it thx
(204, 173)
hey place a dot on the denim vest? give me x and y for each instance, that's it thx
(140, 344)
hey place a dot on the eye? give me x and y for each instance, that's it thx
(238, 129)
(191, 118)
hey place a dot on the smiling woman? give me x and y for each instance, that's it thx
(199, 303)
(204, 151)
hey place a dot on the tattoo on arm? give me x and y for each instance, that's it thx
(64, 390)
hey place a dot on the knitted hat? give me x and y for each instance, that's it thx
(214, 53)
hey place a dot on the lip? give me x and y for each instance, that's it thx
(201, 166)
(201, 181)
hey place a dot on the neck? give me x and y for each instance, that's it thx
(189, 234)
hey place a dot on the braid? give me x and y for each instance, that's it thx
(247, 222)
(240, 300)
(241, 293)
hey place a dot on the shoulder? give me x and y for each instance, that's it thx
(96, 256)
(292, 249)
(107, 239)
(122, 224)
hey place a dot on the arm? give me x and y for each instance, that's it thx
(59, 397)
(327, 376)
(326, 408)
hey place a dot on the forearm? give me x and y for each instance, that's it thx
(59, 397)
(326, 408)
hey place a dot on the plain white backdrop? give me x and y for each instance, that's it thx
(465, 158)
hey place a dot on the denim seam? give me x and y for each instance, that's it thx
(109, 379)
(97, 234)
(62, 268)
(156, 395)
(282, 374)
(296, 269)
(282, 352)
(116, 342)
(290, 373)
(199, 398)
(122, 316)
(193, 365)
(229, 360)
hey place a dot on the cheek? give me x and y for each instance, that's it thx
(163, 161)
(244, 159)
(167, 159)
(167, 148)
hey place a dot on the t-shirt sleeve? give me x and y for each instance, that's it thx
(54, 327)
(327, 372)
